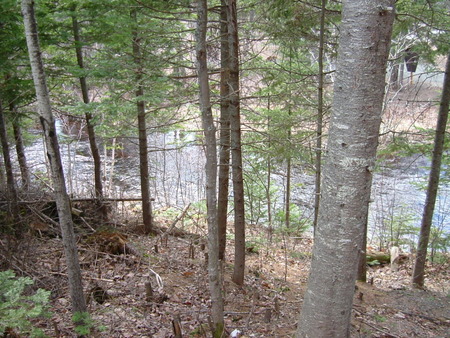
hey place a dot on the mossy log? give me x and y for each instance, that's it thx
(373, 258)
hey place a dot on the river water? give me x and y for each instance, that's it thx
(177, 178)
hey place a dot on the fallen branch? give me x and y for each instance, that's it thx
(177, 219)
(437, 321)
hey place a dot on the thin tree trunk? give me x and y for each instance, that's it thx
(347, 174)
(320, 112)
(88, 116)
(143, 147)
(287, 220)
(224, 146)
(54, 157)
(20, 149)
(269, 175)
(209, 130)
(236, 149)
(433, 182)
(10, 182)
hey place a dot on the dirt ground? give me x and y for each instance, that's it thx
(267, 305)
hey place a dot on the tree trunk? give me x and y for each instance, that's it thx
(143, 148)
(320, 112)
(433, 182)
(20, 148)
(224, 146)
(269, 175)
(209, 130)
(236, 149)
(287, 220)
(347, 174)
(10, 182)
(54, 157)
(88, 116)
(361, 275)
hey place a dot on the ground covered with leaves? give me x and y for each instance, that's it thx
(142, 286)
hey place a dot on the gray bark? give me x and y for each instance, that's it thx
(433, 182)
(209, 130)
(320, 112)
(54, 157)
(224, 145)
(347, 174)
(236, 148)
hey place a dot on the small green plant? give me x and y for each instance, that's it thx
(380, 318)
(17, 309)
(84, 324)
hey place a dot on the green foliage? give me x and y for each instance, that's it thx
(16, 308)
(380, 318)
(84, 324)
(298, 223)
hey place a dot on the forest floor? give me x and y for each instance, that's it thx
(267, 305)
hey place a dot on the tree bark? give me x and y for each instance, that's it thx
(224, 146)
(433, 182)
(54, 157)
(209, 130)
(143, 146)
(320, 112)
(88, 116)
(20, 148)
(236, 149)
(10, 182)
(347, 174)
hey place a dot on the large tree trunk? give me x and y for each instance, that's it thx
(433, 182)
(54, 157)
(88, 116)
(224, 143)
(347, 173)
(236, 149)
(143, 147)
(209, 130)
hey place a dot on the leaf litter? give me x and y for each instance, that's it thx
(267, 305)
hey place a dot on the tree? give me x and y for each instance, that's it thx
(11, 184)
(320, 112)
(53, 153)
(209, 130)
(347, 173)
(418, 278)
(224, 137)
(143, 149)
(236, 148)
(88, 116)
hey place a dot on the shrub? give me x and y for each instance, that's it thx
(16, 308)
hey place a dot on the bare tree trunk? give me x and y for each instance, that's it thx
(88, 116)
(269, 176)
(224, 146)
(433, 182)
(10, 182)
(320, 112)
(20, 149)
(143, 147)
(54, 157)
(236, 149)
(209, 130)
(347, 174)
